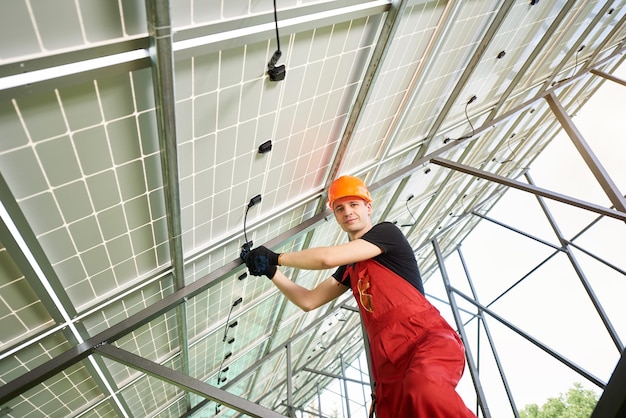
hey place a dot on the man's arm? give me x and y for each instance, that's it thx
(321, 258)
(308, 299)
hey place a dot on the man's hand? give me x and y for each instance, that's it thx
(262, 261)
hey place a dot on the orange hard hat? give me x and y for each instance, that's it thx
(347, 186)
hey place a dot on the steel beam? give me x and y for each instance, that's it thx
(186, 382)
(575, 49)
(620, 215)
(609, 77)
(480, 394)
(390, 25)
(595, 257)
(253, 367)
(579, 271)
(587, 375)
(334, 376)
(490, 339)
(81, 351)
(22, 245)
(594, 164)
(510, 228)
(491, 32)
(46, 73)
(612, 402)
(434, 48)
(522, 71)
(161, 54)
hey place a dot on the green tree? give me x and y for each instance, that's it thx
(576, 403)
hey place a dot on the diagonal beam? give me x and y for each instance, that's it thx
(186, 382)
(594, 164)
(575, 49)
(22, 245)
(592, 378)
(471, 65)
(609, 77)
(446, 22)
(579, 272)
(390, 25)
(521, 73)
(471, 363)
(620, 215)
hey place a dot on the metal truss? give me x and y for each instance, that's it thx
(166, 48)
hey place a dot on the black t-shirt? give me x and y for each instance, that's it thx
(397, 254)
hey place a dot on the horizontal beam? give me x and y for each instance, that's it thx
(335, 376)
(538, 191)
(27, 77)
(609, 77)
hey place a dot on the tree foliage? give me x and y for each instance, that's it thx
(576, 403)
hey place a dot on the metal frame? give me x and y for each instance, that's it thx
(161, 49)
(86, 348)
(612, 399)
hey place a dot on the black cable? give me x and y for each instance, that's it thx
(276, 23)
(235, 303)
(468, 119)
(276, 73)
(445, 141)
(411, 213)
(245, 235)
(247, 245)
(406, 203)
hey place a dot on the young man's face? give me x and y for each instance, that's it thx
(353, 215)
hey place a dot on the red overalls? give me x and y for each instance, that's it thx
(417, 358)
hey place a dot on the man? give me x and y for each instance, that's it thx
(417, 358)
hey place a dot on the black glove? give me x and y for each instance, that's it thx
(262, 261)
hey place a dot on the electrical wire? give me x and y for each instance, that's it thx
(245, 234)
(276, 23)
(235, 303)
(247, 245)
(411, 213)
(445, 141)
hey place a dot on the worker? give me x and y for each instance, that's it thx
(417, 358)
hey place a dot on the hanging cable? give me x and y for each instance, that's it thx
(247, 245)
(575, 67)
(276, 73)
(470, 101)
(235, 303)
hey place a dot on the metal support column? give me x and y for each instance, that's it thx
(482, 400)
(161, 54)
(612, 403)
(492, 345)
(290, 409)
(345, 385)
(390, 25)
